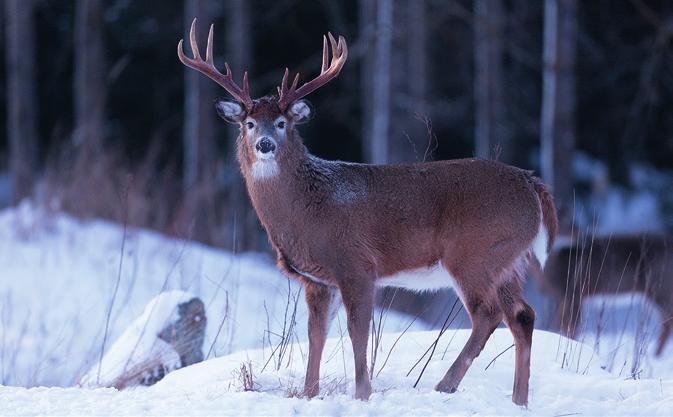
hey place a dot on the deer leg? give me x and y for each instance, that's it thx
(485, 319)
(358, 298)
(323, 303)
(520, 318)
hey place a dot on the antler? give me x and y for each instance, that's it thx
(207, 68)
(287, 96)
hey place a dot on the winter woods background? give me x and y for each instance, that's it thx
(100, 118)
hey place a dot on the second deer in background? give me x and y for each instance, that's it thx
(611, 265)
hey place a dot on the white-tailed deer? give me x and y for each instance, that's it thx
(609, 265)
(345, 228)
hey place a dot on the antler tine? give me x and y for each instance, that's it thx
(329, 70)
(246, 87)
(207, 67)
(209, 46)
(192, 41)
(325, 55)
(333, 44)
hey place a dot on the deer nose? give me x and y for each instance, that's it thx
(265, 145)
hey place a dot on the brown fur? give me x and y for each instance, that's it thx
(349, 224)
(611, 265)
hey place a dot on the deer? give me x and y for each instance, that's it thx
(343, 229)
(608, 266)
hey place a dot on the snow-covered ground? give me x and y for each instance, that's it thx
(60, 276)
(214, 386)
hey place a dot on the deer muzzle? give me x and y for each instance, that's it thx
(265, 147)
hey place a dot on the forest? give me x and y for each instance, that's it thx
(97, 106)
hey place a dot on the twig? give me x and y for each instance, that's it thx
(497, 356)
(116, 288)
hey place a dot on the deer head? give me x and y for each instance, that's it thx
(266, 124)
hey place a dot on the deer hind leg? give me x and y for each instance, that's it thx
(520, 318)
(485, 316)
(323, 303)
(357, 294)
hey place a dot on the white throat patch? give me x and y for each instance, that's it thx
(264, 168)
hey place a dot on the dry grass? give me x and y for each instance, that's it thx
(244, 378)
(148, 194)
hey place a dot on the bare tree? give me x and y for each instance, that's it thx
(200, 152)
(557, 129)
(367, 29)
(89, 81)
(200, 93)
(490, 129)
(408, 136)
(21, 100)
(417, 60)
(394, 72)
(381, 82)
(242, 224)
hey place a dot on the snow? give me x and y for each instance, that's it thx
(140, 342)
(213, 387)
(59, 277)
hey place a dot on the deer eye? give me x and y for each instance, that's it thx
(250, 125)
(280, 124)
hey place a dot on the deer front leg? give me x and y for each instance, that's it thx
(323, 303)
(358, 298)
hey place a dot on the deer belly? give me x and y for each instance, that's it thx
(423, 279)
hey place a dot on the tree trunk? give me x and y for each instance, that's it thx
(367, 29)
(557, 129)
(414, 86)
(200, 152)
(380, 130)
(21, 100)
(394, 80)
(242, 225)
(491, 136)
(200, 92)
(89, 77)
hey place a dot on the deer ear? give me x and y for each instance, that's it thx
(230, 111)
(300, 111)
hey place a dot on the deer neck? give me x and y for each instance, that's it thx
(292, 195)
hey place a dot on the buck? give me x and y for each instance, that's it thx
(607, 266)
(343, 228)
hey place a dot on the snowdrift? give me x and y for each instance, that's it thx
(216, 387)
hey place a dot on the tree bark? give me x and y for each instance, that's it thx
(557, 129)
(381, 81)
(415, 80)
(367, 34)
(89, 77)
(491, 136)
(394, 80)
(200, 92)
(242, 224)
(21, 99)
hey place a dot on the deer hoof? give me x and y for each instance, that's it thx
(310, 391)
(521, 400)
(363, 393)
(447, 388)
